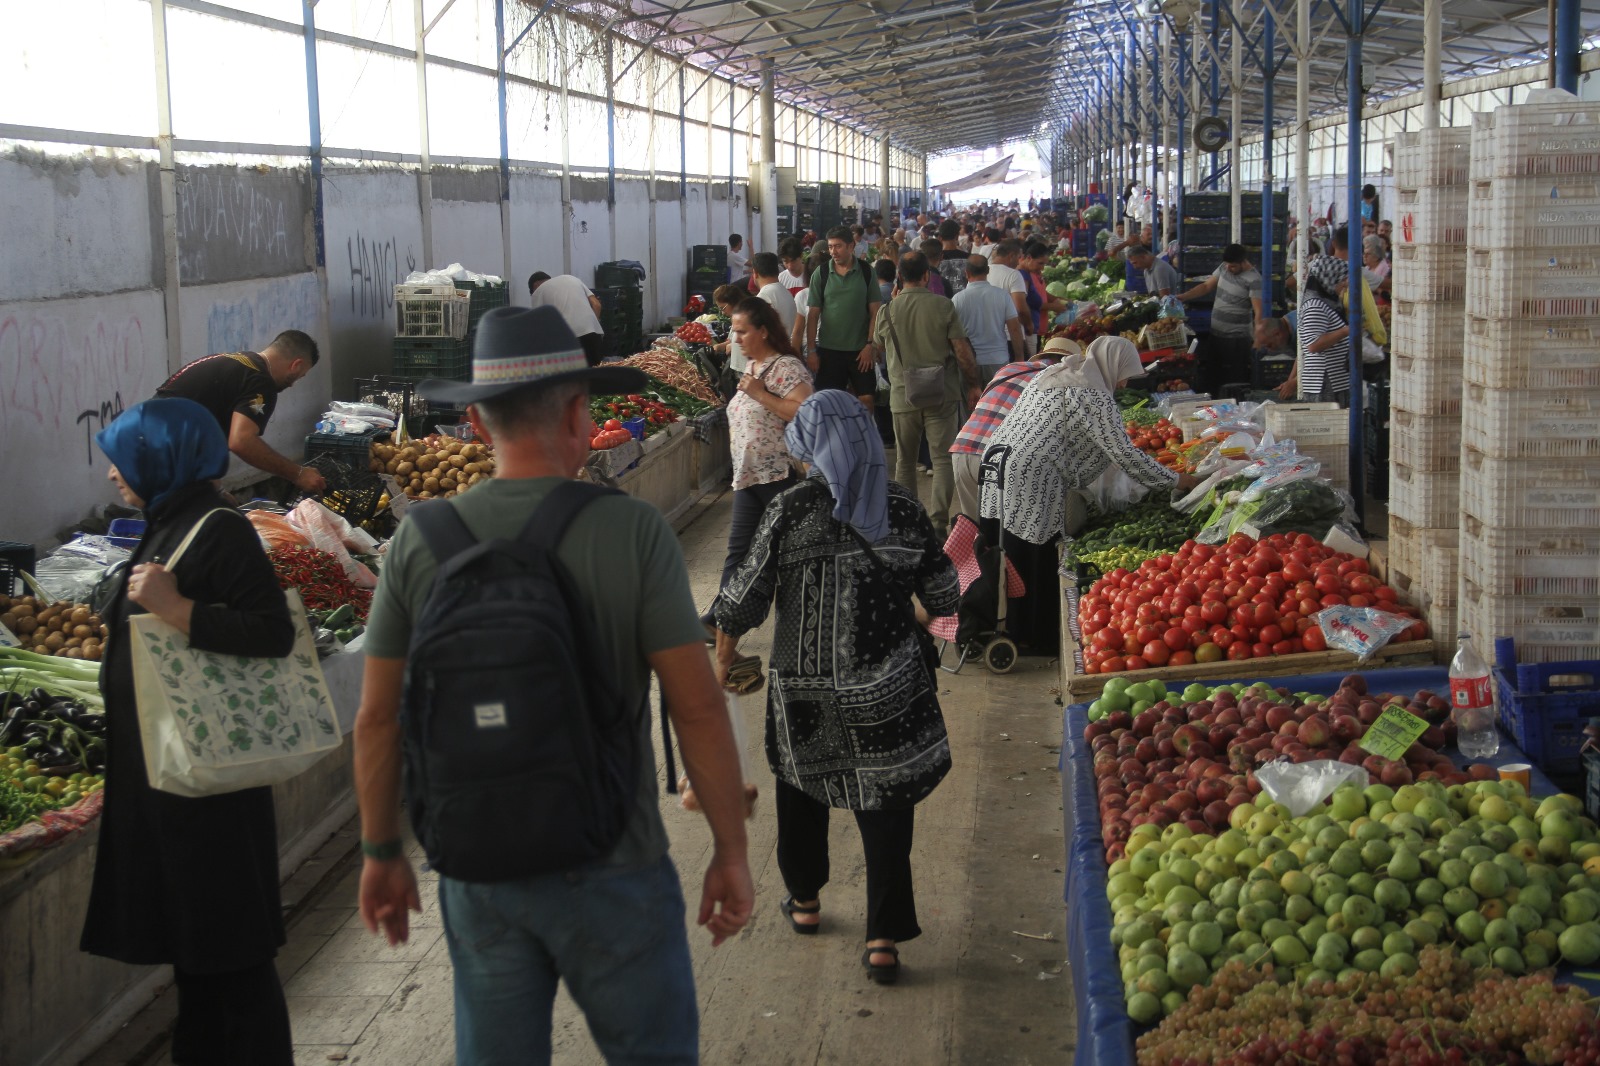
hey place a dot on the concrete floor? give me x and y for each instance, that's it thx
(975, 989)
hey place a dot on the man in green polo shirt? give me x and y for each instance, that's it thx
(841, 309)
(921, 330)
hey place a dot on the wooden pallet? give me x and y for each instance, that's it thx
(1080, 687)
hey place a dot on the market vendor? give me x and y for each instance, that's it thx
(577, 304)
(1235, 310)
(1063, 434)
(240, 389)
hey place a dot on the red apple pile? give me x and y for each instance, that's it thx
(1195, 762)
(1245, 599)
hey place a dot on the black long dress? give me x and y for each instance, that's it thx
(191, 882)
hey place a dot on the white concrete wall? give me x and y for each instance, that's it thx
(83, 330)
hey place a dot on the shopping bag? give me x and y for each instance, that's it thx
(213, 723)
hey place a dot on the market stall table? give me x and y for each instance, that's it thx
(1105, 1033)
(61, 1003)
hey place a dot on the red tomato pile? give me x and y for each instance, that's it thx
(608, 435)
(1160, 441)
(1241, 600)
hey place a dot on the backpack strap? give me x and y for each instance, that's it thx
(442, 529)
(552, 518)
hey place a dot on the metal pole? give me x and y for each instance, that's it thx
(1569, 39)
(1164, 231)
(1356, 13)
(1235, 118)
(314, 114)
(566, 152)
(1432, 42)
(1155, 135)
(173, 280)
(1183, 109)
(1269, 54)
(769, 159)
(611, 130)
(883, 179)
(1302, 146)
(505, 137)
(425, 167)
(1216, 73)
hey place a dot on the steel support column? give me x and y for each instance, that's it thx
(1432, 32)
(1568, 42)
(425, 164)
(769, 159)
(1355, 17)
(1182, 115)
(505, 137)
(1269, 53)
(1302, 146)
(1235, 117)
(172, 280)
(1216, 73)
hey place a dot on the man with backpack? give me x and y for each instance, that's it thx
(509, 653)
(841, 310)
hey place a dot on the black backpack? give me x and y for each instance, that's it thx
(819, 294)
(520, 757)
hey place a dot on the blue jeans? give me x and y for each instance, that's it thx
(616, 936)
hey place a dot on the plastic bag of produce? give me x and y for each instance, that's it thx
(1303, 505)
(1279, 475)
(327, 532)
(1114, 491)
(72, 570)
(275, 531)
(1360, 630)
(1301, 786)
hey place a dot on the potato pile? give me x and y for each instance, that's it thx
(70, 630)
(434, 467)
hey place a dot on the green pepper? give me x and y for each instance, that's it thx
(340, 618)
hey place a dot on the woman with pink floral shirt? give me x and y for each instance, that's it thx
(774, 385)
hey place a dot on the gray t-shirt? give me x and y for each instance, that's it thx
(627, 566)
(1161, 275)
(1232, 313)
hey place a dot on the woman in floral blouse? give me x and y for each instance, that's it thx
(774, 384)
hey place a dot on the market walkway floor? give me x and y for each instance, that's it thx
(986, 982)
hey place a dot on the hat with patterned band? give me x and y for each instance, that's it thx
(517, 347)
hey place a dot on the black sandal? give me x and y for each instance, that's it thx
(790, 908)
(883, 975)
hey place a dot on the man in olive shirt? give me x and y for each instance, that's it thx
(613, 931)
(841, 309)
(921, 330)
(240, 389)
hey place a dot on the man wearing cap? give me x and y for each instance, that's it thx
(612, 932)
(579, 307)
(1000, 395)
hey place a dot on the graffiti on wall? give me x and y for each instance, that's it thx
(250, 322)
(61, 383)
(375, 269)
(235, 222)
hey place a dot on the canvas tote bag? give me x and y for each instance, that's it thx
(216, 723)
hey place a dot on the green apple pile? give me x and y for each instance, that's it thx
(1358, 885)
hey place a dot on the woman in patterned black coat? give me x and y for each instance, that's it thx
(853, 718)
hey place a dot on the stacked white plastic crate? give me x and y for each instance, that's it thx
(1432, 171)
(1530, 459)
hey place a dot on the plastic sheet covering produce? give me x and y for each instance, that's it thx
(1105, 1034)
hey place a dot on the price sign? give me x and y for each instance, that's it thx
(8, 639)
(1393, 733)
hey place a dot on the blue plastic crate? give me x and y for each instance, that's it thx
(1545, 708)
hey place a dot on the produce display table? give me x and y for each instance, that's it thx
(61, 1003)
(1105, 1033)
(1076, 685)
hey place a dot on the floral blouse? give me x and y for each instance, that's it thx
(759, 455)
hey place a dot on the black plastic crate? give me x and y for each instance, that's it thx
(1200, 262)
(611, 275)
(484, 298)
(416, 358)
(398, 395)
(15, 559)
(1220, 204)
(708, 257)
(354, 450)
(1270, 371)
(1219, 232)
(356, 501)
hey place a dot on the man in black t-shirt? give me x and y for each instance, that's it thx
(240, 389)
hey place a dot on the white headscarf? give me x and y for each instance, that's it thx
(1108, 361)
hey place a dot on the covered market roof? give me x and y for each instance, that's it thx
(946, 74)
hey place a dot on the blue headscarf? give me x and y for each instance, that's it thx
(834, 433)
(161, 446)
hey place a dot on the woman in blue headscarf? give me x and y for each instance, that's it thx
(853, 717)
(189, 882)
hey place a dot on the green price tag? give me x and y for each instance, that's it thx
(1393, 733)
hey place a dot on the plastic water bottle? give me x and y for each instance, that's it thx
(1472, 701)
